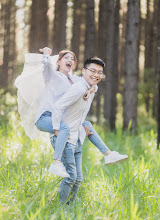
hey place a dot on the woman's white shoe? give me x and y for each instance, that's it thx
(58, 169)
(114, 157)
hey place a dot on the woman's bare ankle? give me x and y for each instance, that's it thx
(56, 161)
(107, 152)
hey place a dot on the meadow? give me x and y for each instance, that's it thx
(127, 191)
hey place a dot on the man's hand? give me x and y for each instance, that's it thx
(46, 51)
(87, 130)
(56, 132)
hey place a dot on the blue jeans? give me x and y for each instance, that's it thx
(95, 138)
(44, 123)
(72, 160)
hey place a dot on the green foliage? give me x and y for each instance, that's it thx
(7, 107)
(129, 190)
(147, 89)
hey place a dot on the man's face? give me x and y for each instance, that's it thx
(93, 74)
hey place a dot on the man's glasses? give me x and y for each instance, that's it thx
(93, 71)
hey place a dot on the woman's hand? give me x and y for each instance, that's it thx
(86, 95)
(88, 92)
(46, 51)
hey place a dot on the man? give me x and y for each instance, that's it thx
(73, 109)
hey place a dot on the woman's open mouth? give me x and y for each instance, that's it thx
(69, 65)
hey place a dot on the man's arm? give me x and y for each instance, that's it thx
(69, 98)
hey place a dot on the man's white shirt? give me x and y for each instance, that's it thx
(73, 109)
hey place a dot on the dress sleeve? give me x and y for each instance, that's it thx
(49, 68)
(30, 89)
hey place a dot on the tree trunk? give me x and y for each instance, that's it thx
(12, 48)
(59, 29)
(131, 65)
(155, 55)
(148, 56)
(158, 73)
(8, 11)
(109, 59)
(82, 34)
(75, 43)
(7, 15)
(115, 68)
(39, 25)
(90, 30)
(101, 52)
(90, 35)
(122, 41)
(2, 19)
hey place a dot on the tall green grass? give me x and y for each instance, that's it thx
(129, 190)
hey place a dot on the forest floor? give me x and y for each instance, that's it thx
(127, 191)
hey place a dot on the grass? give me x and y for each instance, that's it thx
(128, 191)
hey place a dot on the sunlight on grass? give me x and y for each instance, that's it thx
(128, 190)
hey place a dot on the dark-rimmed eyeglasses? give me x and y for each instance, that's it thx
(93, 71)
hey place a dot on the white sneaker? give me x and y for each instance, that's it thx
(114, 157)
(58, 169)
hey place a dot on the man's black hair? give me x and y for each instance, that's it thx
(95, 60)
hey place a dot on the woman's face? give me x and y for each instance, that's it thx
(66, 63)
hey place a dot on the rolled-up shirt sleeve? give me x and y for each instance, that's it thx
(69, 98)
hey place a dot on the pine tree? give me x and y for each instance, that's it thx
(158, 74)
(59, 29)
(75, 43)
(90, 30)
(39, 25)
(109, 59)
(102, 30)
(131, 65)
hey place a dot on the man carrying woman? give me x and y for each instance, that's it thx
(47, 85)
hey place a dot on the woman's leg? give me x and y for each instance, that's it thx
(61, 140)
(110, 157)
(95, 138)
(44, 123)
